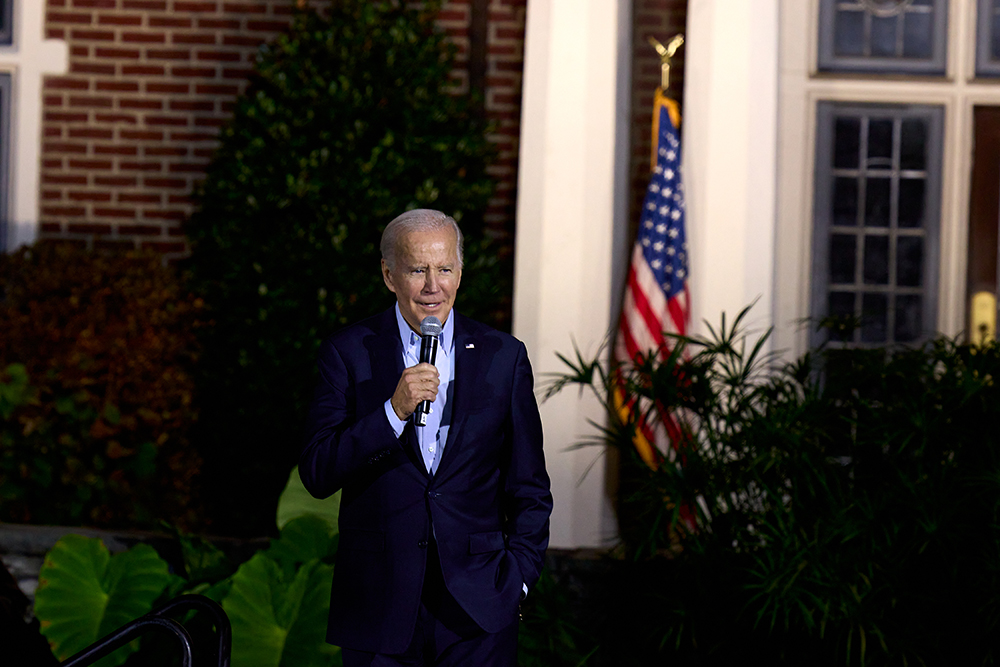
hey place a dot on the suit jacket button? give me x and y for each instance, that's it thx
(422, 544)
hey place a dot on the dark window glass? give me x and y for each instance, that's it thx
(843, 258)
(988, 38)
(917, 32)
(5, 89)
(909, 261)
(845, 201)
(847, 140)
(6, 22)
(876, 260)
(850, 33)
(881, 265)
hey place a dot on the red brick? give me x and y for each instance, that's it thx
(218, 56)
(91, 68)
(116, 118)
(90, 164)
(68, 211)
(89, 228)
(156, 214)
(216, 89)
(51, 228)
(116, 150)
(118, 19)
(144, 37)
(94, 4)
(193, 72)
(267, 26)
(140, 135)
(64, 147)
(192, 38)
(52, 132)
(52, 163)
(55, 33)
(65, 83)
(166, 120)
(170, 88)
(160, 151)
(244, 8)
(236, 72)
(93, 35)
(170, 22)
(118, 86)
(90, 196)
(193, 136)
(168, 54)
(180, 199)
(201, 121)
(53, 100)
(130, 103)
(218, 24)
(90, 133)
(51, 195)
(140, 166)
(170, 183)
(140, 230)
(180, 6)
(115, 213)
(240, 40)
(79, 51)
(155, 5)
(116, 181)
(188, 105)
(66, 17)
(115, 53)
(64, 179)
(187, 167)
(143, 70)
(138, 198)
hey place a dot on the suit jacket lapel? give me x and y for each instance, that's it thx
(468, 359)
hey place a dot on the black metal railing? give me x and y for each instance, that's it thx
(160, 620)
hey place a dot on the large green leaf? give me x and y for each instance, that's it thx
(84, 593)
(280, 620)
(303, 539)
(295, 501)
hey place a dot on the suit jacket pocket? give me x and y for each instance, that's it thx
(481, 543)
(362, 540)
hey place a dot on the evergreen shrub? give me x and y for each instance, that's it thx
(96, 391)
(348, 121)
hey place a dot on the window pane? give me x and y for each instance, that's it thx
(849, 38)
(995, 46)
(911, 202)
(6, 22)
(876, 260)
(877, 196)
(874, 318)
(884, 36)
(912, 154)
(845, 201)
(846, 143)
(880, 139)
(918, 35)
(909, 261)
(909, 318)
(843, 258)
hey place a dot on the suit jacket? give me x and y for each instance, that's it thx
(487, 505)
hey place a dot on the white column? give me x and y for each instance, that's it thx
(571, 201)
(729, 143)
(29, 58)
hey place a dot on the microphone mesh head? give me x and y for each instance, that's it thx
(430, 326)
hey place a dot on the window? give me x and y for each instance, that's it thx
(6, 22)
(988, 38)
(875, 253)
(884, 36)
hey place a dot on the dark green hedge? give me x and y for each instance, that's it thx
(348, 122)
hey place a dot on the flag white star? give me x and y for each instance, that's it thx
(662, 228)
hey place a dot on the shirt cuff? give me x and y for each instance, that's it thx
(524, 590)
(395, 422)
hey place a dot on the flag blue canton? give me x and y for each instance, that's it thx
(661, 226)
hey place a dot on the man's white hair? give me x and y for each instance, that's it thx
(419, 219)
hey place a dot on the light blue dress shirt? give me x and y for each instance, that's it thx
(434, 434)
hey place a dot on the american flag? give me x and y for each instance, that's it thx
(656, 294)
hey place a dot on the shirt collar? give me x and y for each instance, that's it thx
(445, 340)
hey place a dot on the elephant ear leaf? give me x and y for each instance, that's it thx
(84, 593)
(295, 502)
(279, 619)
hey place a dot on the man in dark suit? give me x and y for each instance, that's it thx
(443, 527)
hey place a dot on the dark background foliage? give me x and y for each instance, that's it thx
(842, 510)
(96, 390)
(347, 123)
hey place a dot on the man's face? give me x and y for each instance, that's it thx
(426, 276)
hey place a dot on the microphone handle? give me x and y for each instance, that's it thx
(428, 354)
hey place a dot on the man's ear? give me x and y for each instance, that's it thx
(387, 277)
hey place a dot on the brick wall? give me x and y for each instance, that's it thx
(661, 19)
(129, 130)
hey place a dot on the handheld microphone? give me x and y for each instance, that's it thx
(430, 329)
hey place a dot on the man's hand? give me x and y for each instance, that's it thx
(417, 383)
